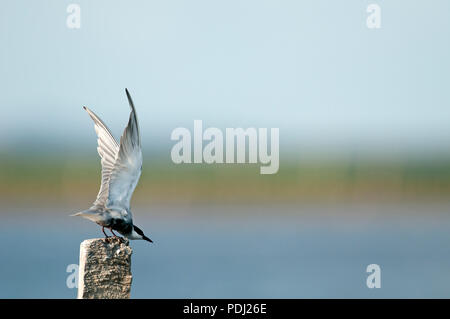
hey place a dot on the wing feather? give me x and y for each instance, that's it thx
(128, 163)
(107, 149)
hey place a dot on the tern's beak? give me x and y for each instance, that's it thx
(147, 239)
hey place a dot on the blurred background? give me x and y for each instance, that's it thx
(364, 144)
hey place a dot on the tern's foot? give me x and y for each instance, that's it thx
(111, 239)
(121, 239)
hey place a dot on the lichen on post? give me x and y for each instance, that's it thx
(105, 269)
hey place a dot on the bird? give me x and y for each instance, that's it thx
(121, 168)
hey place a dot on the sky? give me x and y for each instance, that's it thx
(311, 68)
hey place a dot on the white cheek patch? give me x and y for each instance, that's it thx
(135, 235)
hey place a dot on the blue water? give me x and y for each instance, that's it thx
(243, 256)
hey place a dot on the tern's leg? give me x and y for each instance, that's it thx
(110, 228)
(103, 230)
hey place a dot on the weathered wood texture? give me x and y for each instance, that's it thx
(105, 269)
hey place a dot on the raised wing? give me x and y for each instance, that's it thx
(107, 149)
(128, 164)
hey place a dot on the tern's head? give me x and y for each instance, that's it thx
(137, 233)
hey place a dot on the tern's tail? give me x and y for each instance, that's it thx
(92, 215)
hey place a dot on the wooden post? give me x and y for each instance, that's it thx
(105, 269)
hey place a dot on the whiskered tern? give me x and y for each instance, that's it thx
(121, 169)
